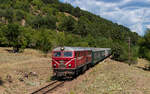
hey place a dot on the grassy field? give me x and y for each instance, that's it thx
(111, 77)
(21, 73)
(24, 72)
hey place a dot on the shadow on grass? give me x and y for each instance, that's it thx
(53, 78)
(144, 68)
(10, 51)
(65, 78)
(13, 50)
(1, 82)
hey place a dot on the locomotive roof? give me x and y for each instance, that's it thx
(80, 49)
(72, 48)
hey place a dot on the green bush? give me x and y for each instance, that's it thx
(44, 41)
(15, 37)
(48, 22)
(3, 41)
(144, 50)
(67, 24)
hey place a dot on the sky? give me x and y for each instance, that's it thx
(134, 14)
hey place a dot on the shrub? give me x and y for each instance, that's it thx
(15, 37)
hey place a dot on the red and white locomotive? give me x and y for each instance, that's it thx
(70, 60)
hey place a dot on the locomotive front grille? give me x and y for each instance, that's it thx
(62, 65)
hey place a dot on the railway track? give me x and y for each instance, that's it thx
(49, 88)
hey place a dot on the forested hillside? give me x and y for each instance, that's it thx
(45, 24)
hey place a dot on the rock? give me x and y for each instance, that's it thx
(21, 79)
(26, 75)
(9, 78)
(33, 74)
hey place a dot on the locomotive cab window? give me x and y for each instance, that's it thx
(57, 54)
(67, 54)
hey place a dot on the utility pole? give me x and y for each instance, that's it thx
(129, 51)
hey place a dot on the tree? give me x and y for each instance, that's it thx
(83, 26)
(44, 22)
(65, 7)
(37, 3)
(2, 38)
(15, 36)
(76, 12)
(144, 50)
(19, 15)
(67, 24)
(21, 4)
(43, 42)
(50, 1)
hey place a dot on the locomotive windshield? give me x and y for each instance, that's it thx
(67, 54)
(57, 54)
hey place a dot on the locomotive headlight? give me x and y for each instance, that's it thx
(69, 65)
(62, 48)
(54, 65)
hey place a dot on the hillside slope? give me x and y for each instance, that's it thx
(45, 24)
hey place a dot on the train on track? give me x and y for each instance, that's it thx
(71, 61)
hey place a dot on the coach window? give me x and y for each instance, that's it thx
(57, 54)
(67, 54)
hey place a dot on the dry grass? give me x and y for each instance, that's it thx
(111, 77)
(18, 65)
(67, 14)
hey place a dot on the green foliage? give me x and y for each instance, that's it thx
(44, 22)
(81, 44)
(67, 24)
(2, 38)
(19, 15)
(7, 13)
(15, 36)
(60, 39)
(83, 27)
(144, 50)
(76, 12)
(49, 11)
(21, 4)
(44, 41)
(37, 3)
(65, 7)
(5, 1)
(50, 1)
(29, 35)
